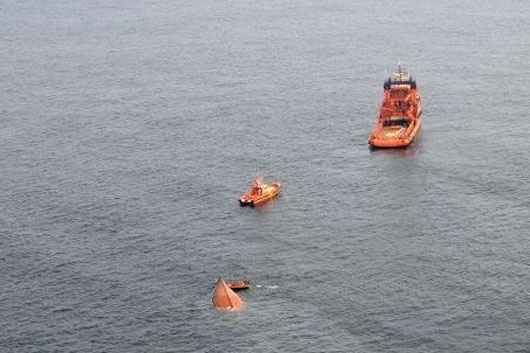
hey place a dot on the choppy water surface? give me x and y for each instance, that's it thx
(128, 129)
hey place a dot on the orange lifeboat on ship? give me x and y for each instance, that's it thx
(400, 113)
(260, 192)
(225, 298)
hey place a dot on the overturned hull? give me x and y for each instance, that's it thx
(225, 298)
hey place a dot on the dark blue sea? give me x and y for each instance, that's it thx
(129, 128)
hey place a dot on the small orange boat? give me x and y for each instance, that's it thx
(239, 285)
(260, 192)
(225, 298)
(400, 112)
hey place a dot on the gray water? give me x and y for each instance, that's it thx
(129, 128)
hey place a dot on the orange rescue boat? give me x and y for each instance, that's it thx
(225, 298)
(260, 192)
(400, 113)
(239, 285)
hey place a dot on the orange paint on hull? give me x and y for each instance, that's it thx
(260, 193)
(400, 113)
(225, 298)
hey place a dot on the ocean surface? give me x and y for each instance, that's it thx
(129, 128)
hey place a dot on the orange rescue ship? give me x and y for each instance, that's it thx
(260, 192)
(225, 298)
(400, 113)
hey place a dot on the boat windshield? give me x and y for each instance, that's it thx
(399, 93)
(396, 121)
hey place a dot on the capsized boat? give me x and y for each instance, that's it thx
(239, 285)
(260, 192)
(400, 113)
(225, 298)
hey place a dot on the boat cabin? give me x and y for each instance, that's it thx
(257, 190)
(400, 80)
(258, 186)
